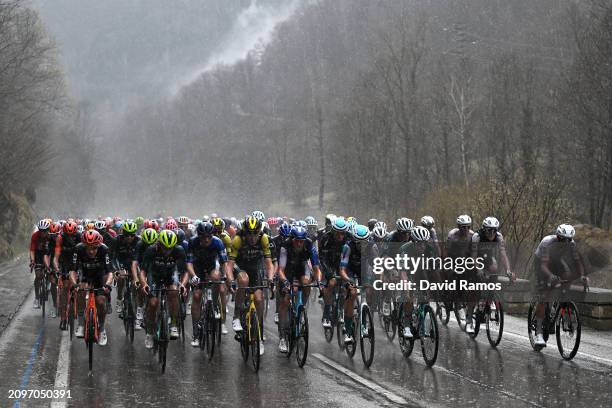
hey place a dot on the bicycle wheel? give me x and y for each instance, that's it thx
(163, 339)
(90, 338)
(290, 334)
(442, 312)
(210, 332)
(42, 296)
(460, 310)
(329, 331)
(428, 332)
(254, 340)
(494, 318)
(389, 323)
(567, 329)
(266, 301)
(406, 344)
(351, 348)
(70, 317)
(244, 340)
(126, 314)
(340, 327)
(366, 336)
(182, 317)
(476, 319)
(531, 326)
(301, 341)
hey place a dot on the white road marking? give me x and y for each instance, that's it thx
(363, 381)
(63, 367)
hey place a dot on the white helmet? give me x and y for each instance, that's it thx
(464, 219)
(183, 220)
(311, 221)
(100, 225)
(379, 232)
(404, 224)
(490, 222)
(43, 225)
(428, 221)
(419, 233)
(259, 215)
(381, 224)
(191, 227)
(566, 231)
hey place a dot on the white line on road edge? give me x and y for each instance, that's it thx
(363, 381)
(63, 366)
(587, 355)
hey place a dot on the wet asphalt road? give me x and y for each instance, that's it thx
(467, 373)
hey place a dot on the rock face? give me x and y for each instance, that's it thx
(16, 220)
(595, 245)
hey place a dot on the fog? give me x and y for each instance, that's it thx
(350, 106)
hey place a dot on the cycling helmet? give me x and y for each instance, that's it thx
(259, 215)
(147, 224)
(55, 228)
(340, 225)
(191, 227)
(205, 218)
(92, 238)
(273, 221)
(372, 223)
(464, 220)
(329, 219)
(491, 223)
(311, 221)
(218, 224)
(379, 232)
(70, 228)
(171, 225)
(214, 215)
(155, 225)
(251, 224)
(43, 225)
(129, 227)
(381, 224)
(427, 221)
(139, 220)
(168, 238)
(118, 224)
(205, 228)
(404, 224)
(149, 236)
(80, 229)
(566, 231)
(298, 232)
(301, 223)
(90, 226)
(183, 220)
(100, 225)
(419, 233)
(361, 233)
(284, 230)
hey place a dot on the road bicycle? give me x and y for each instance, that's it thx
(561, 318)
(250, 337)
(209, 324)
(297, 335)
(161, 337)
(424, 327)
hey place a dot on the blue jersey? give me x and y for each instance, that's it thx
(204, 258)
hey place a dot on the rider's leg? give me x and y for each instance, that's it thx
(195, 309)
(101, 307)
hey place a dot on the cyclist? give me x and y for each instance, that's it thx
(54, 231)
(92, 261)
(274, 223)
(183, 224)
(312, 228)
(160, 262)
(403, 226)
(147, 238)
(419, 246)
(124, 253)
(250, 249)
(139, 222)
(428, 222)
(39, 255)
(295, 254)
(205, 251)
(65, 245)
(458, 246)
(330, 249)
(552, 261)
(489, 244)
(372, 223)
(351, 270)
